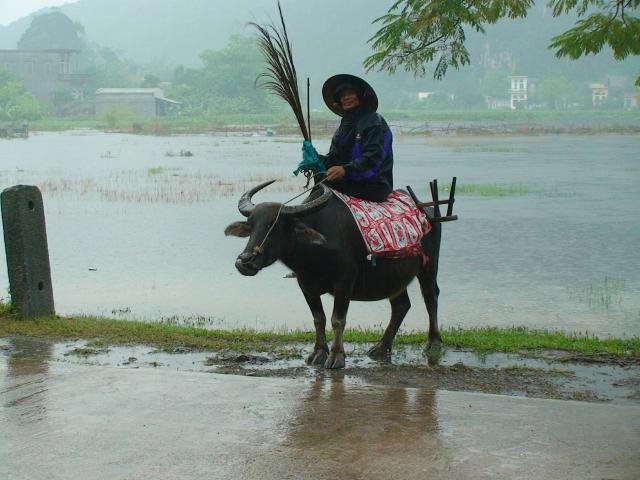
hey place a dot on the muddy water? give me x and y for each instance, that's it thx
(135, 229)
(554, 376)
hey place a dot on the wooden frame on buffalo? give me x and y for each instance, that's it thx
(436, 202)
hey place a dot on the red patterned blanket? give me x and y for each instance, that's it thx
(390, 229)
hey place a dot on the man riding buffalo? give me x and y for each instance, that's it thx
(321, 242)
(360, 159)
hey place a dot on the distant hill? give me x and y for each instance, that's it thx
(329, 36)
(179, 31)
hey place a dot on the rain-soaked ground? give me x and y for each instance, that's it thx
(550, 374)
(132, 414)
(135, 228)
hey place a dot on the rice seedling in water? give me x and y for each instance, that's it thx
(601, 295)
(158, 170)
(558, 193)
(605, 294)
(488, 189)
(483, 148)
(157, 185)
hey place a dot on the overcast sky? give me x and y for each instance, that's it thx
(11, 10)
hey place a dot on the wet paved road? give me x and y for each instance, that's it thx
(63, 421)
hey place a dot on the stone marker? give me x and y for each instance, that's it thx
(25, 240)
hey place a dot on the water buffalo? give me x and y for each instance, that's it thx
(320, 241)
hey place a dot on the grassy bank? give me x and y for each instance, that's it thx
(169, 125)
(102, 332)
(324, 123)
(570, 116)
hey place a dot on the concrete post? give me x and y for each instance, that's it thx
(25, 240)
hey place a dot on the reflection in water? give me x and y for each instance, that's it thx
(29, 357)
(24, 388)
(363, 432)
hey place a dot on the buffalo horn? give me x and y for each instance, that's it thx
(310, 206)
(245, 205)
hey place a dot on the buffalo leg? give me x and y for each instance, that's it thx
(430, 292)
(320, 350)
(338, 322)
(429, 285)
(400, 305)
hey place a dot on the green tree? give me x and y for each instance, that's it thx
(15, 103)
(150, 81)
(557, 92)
(418, 32)
(108, 69)
(52, 30)
(225, 83)
(495, 83)
(117, 115)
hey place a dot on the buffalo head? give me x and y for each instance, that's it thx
(272, 228)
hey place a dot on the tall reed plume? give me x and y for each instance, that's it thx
(280, 77)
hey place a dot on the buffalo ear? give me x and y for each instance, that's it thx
(308, 235)
(238, 229)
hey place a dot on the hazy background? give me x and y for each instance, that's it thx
(11, 10)
(163, 39)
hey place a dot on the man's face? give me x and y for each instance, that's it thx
(349, 100)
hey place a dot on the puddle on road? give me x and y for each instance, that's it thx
(500, 373)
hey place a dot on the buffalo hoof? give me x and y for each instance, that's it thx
(434, 357)
(335, 360)
(379, 351)
(317, 357)
(434, 345)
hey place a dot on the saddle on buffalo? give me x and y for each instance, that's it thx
(390, 229)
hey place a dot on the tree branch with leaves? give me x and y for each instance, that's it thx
(416, 33)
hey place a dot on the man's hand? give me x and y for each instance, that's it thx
(335, 173)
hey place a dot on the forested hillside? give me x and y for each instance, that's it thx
(329, 36)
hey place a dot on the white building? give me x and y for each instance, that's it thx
(520, 91)
(599, 93)
(631, 100)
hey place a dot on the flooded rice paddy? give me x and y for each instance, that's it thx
(547, 235)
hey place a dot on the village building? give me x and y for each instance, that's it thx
(46, 72)
(599, 93)
(521, 91)
(615, 92)
(631, 100)
(142, 102)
